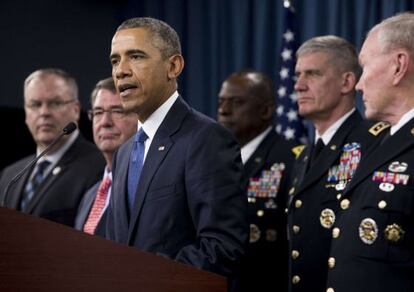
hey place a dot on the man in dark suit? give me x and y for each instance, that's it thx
(53, 188)
(327, 70)
(246, 107)
(111, 127)
(373, 240)
(177, 184)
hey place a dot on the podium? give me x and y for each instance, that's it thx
(40, 255)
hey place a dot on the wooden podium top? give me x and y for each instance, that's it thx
(40, 255)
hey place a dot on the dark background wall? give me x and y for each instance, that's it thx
(218, 37)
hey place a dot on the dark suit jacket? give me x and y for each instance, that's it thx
(84, 209)
(189, 203)
(311, 193)
(265, 265)
(384, 205)
(59, 194)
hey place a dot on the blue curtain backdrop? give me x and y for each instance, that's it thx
(218, 37)
(222, 36)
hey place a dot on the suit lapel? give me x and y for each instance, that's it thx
(15, 192)
(41, 191)
(330, 152)
(157, 152)
(382, 154)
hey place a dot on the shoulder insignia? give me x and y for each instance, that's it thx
(378, 128)
(297, 150)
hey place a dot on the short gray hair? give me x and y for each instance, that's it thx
(165, 37)
(66, 77)
(107, 83)
(396, 32)
(342, 53)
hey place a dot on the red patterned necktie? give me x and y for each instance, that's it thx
(98, 206)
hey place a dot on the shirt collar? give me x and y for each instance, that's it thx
(248, 149)
(404, 119)
(154, 121)
(57, 155)
(330, 132)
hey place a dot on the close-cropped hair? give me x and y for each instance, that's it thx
(396, 32)
(260, 84)
(107, 83)
(343, 54)
(65, 76)
(165, 38)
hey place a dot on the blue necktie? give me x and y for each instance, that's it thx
(135, 165)
(33, 184)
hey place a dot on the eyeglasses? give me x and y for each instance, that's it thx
(52, 104)
(97, 114)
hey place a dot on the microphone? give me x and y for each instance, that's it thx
(66, 131)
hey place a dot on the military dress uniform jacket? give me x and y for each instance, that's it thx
(373, 241)
(313, 202)
(59, 194)
(266, 182)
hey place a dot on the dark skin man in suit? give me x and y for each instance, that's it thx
(188, 204)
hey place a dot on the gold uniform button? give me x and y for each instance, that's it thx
(330, 290)
(345, 204)
(260, 213)
(292, 190)
(331, 262)
(295, 254)
(335, 232)
(286, 210)
(295, 279)
(382, 204)
(298, 203)
(339, 196)
(296, 229)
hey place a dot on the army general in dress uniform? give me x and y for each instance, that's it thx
(246, 107)
(373, 239)
(327, 70)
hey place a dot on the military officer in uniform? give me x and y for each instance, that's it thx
(327, 70)
(373, 239)
(246, 107)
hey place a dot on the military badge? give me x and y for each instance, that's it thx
(341, 185)
(386, 187)
(368, 231)
(394, 233)
(327, 218)
(270, 204)
(397, 166)
(339, 175)
(391, 178)
(267, 185)
(271, 235)
(254, 233)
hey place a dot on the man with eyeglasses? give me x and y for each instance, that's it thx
(112, 126)
(52, 188)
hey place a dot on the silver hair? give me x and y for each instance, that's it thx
(66, 77)
(396, 32)
(343, 53)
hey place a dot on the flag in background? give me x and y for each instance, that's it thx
(288, 122)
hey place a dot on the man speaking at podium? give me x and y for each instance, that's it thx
(176, 187)
(54, 186)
